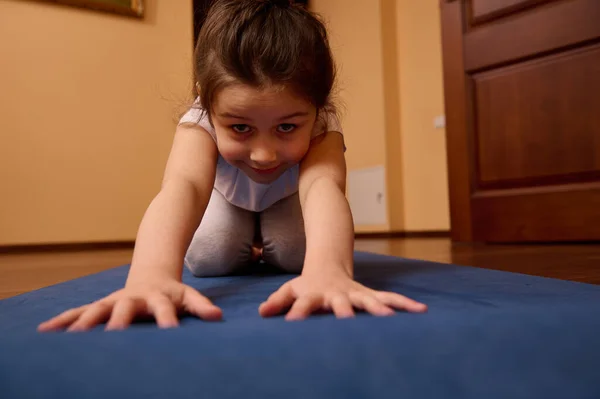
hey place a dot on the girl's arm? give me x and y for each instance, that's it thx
(154, 285)
(327, 216)
(175, 213)
(326, 282)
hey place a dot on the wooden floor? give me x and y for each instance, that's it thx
(21, 271)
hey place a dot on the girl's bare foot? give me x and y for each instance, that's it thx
(256, 253)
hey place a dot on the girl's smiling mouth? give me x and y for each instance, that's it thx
(266, 171)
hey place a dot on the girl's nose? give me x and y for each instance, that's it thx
(263, 156)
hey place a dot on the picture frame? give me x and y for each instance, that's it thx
(132, 8)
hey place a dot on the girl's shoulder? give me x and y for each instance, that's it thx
(327, 121)
(197, 115)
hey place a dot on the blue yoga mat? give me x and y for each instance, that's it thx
(488, 334)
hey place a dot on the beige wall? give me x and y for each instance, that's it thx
(421, 100)
(391, 78)
(89, 103)
(87, 114)
(360, 76)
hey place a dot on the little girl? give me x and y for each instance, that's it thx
(256, 170)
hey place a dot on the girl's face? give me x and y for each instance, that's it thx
(262, 132)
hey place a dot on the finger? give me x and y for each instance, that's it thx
(303, 307)
(370, 304)
(95, 314)
(341, 306)
(163, 310)
(278, 302)
(198, 305)
(123, 314)
(62, 320)
(400, 302)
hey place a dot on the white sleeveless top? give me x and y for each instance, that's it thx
(237, 187)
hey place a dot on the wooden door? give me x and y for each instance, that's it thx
(522, 87)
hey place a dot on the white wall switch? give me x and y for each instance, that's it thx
(439, 122)
(367, 196)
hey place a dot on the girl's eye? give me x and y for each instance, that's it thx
(286, 127)
(240, 128)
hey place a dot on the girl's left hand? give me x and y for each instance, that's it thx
(335, 292)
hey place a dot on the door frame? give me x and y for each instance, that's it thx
(460, 181)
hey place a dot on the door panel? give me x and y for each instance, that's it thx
(557, 213)
(538, 121)
(485, 10)
(547, 27)
(522, 91)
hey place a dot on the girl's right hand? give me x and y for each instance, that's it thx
(163, 301)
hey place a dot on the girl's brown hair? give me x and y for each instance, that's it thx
(263, 43)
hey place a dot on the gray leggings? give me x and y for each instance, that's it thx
(222, 243)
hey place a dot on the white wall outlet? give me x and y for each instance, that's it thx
(439, 122)
(367, 196)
